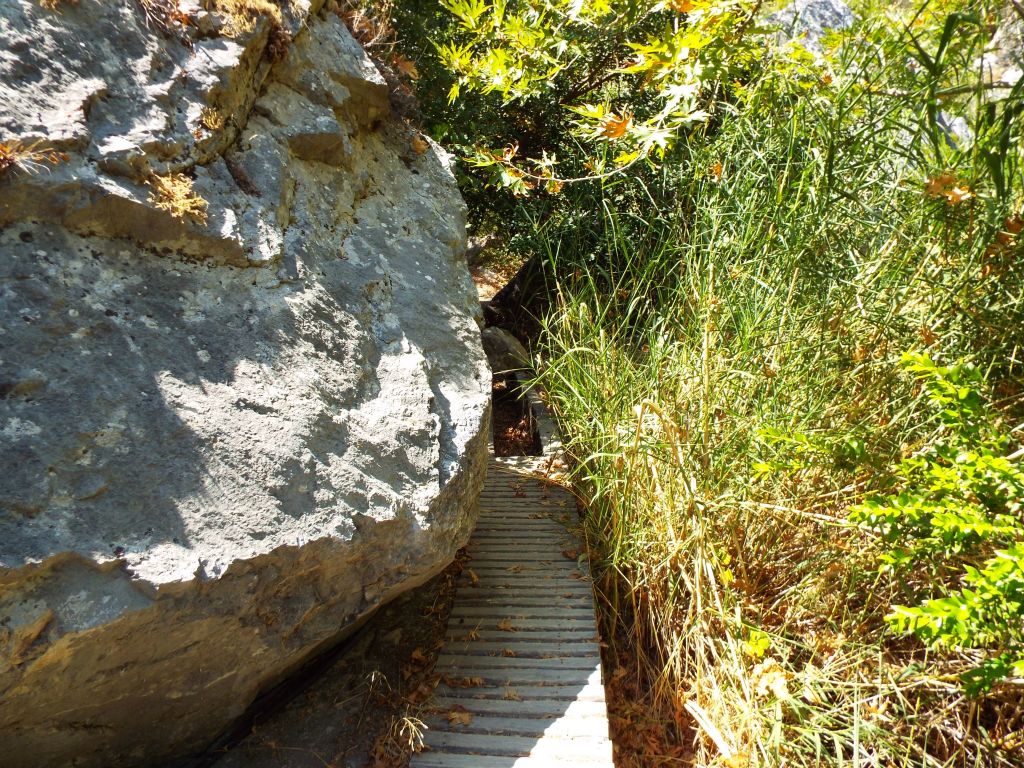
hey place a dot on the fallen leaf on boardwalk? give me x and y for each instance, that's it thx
(508, 652)
(536, 516)
(572, 554)
(425, 690)
(419, 145)
(473, 578)
(514, 568)
(419, 657)
(511, 694)
(505, 625)
(459, 715)
(463, 682)
(473, 634)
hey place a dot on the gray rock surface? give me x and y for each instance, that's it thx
(809, 21)
(1003, 61)
(224, 441)
(504, 351)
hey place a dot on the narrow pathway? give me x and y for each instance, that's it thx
(521, 666)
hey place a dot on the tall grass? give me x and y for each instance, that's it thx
(723, 355)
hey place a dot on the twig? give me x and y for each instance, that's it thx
(704, 721)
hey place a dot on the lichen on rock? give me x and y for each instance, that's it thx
(243, 399)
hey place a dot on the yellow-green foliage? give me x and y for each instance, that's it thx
(173, 193)
(635, 76)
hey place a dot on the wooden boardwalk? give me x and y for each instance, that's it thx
(521, 666)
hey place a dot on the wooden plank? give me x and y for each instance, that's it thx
(499, 612)
(552, 747)
(532, 530)
(519, 626)
(497, 552)
(468, 596)
(521, 539)
(526, 708)
(578, 631)
(587, 664)
(559, 726)
(569, 588)
(522, 578)
(592, 692)
(435, 759)
(553, 561)
(475, 667)
(542, 649)
(523, 584)
(511, 584)
(561, 565)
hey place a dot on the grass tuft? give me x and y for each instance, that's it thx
(174, 194)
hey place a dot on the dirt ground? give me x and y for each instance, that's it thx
(360, 708)
(514, 434)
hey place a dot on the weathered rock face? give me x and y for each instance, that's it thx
(810, 21)
(504, 351)
(1003, 61)
(222, 441)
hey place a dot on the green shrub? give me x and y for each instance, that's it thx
(958, 497)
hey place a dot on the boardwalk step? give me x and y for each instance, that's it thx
(521, 664)
(541, 708)
(592, 692)
(536, 727)
(521, 649)
(581, 747)
(458, 632)
(453, 760)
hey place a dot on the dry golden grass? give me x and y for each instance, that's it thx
(166, 16)
(241, 16)
(211, 119)
(27, 155)
(370, 24)
(174, 194)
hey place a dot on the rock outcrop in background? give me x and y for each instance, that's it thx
(243, 399)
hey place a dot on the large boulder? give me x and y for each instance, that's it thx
(810, 21)
(243, 399)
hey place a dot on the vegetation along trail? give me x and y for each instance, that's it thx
(774, 287)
